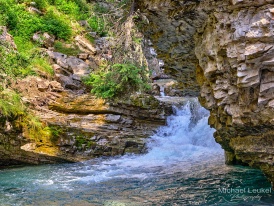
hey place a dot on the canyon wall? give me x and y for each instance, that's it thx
(64, 122)
(225, 47)
(79, 126)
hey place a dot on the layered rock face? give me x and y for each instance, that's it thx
(83, 127)
(76, 126)
(172, 36)
(15, 149)
(230, 46)
(235, 53)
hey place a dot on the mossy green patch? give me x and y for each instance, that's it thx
(62, 48)
(82, 140)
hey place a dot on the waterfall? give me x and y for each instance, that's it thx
(162, 91)
(185, 139)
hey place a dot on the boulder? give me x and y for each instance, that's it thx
(85, 45)
(45, 39)
(6, 37)
(78, 67)
(72, 67)
(67, 82)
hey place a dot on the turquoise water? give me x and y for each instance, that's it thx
(183, 166)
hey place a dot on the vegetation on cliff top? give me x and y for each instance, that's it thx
(23, 18)
(121, 74)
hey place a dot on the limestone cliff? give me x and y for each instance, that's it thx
(67, 122)
(230, 46)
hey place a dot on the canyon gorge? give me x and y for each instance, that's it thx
(220, 51)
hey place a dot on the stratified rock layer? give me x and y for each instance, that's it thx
(68, 123)
(85, 126)
(230, 46)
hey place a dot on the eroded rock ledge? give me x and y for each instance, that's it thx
(84, 126)
(69, 123)
(230, 46)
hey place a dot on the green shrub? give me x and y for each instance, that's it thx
(12, 63)
(83, 6)
(97, 24)
(120, 79)
(57, 26)
(41, 64)
(39, 4)
(24, 47)
(24, 24)
(67, 7)
(18, 20)
(78, 9)
(10, 103)
(24, 63)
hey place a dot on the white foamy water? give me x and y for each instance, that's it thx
(184, 141)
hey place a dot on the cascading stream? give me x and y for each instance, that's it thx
(183, 165)
(178, 145)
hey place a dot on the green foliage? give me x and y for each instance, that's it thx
(59, 47)
(41, 64)
(56, 25)
(97, 24)
(55, 132)
(13, 63)
(67, 7)
(24, 47)
(41, 4)
(24, 24)
(103, 18)
(78, 9)
(11, 106)
(120, 79)
(137, 40)
(32, 126)
(81, 140)
(10, 103)
(83, 6)
(22, 64)
(19, 21)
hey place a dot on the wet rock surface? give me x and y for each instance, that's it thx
(227, 48)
